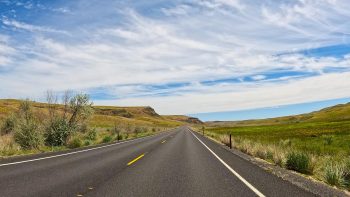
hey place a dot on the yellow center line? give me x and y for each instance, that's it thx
(163, 141)
(133, 161)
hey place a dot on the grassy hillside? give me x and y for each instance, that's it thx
(106, 116)
(331, 114)
(108, 123)
(317, 143)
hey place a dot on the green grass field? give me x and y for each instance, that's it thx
(320, 140)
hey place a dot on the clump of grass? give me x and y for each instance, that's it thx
(279, 158)
(328, 139)
(225, 139)
(9, 125)
(91, 134)
(75, 143)
(87, 143)
(7, 146)
(299, 162)
(107, 139)
(334, 174)
(285, 143)
(119, 137)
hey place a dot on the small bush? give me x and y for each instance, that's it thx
(28, 135)
(91, 135)
(153, 129)
(75, 143)
(8, 125)
(87, 143)
(57, 132)
(299, 162)
(107, 139)
(334, 174)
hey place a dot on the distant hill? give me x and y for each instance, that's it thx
(107, 116)
(183, 118)
(331, 114)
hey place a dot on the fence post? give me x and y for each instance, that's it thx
(203, 130)
(230, 141)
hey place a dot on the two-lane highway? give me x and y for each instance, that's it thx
(176, 163)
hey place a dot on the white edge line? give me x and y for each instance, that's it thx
(72, 153)
(256, 191)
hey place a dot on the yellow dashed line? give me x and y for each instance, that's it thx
(90, 188)
(163, 141)
(79, 195)
(133, 161)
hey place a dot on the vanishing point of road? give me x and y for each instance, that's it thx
(179, 162)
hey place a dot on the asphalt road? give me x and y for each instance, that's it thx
(175, 163)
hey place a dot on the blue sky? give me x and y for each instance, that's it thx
(181, 56)
(270, 112)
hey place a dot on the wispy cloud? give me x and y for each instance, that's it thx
(201, 56)
(31, 28)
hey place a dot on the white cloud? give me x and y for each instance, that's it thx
(198, 41)
(178, 10)
(258, 77)
(32, 28)
(248, 96)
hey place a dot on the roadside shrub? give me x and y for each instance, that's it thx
(28, 136)
(84, 128)
(107, 139)
(153, 129)
(299, 162)
(334, 174)
(137, 130)
(92, 134)
(75, 143)
(87, 143)
(57, 132)
(8, 125)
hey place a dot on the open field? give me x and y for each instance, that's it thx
(108, 123)
(320, 140)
